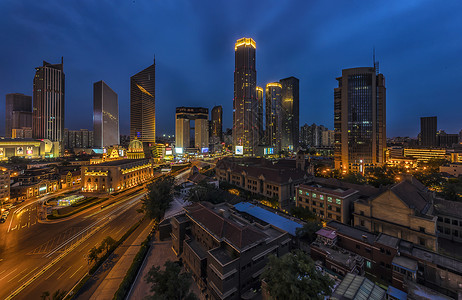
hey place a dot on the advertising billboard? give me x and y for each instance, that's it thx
(29, 150)
(205, 150)
(168, 151)
(239, 150)
(179, 150)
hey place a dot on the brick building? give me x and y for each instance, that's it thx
(449, 223)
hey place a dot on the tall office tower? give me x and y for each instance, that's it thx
(290, 113)
(428, 126)
(245, 106)
(105, 116)
(183, 117)
(274, 115)
(143, 105)
(217, 123)
(18, 112)
(48, 111)
(359, 119)
(261, 127)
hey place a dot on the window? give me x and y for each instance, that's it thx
(307, 193)
(368, 264)
(329, 199)
(455, 222)
(300, 192)
(455, 233)
(388, 252)
(338, 218)
(329, 215)
(422, 241)
(422, 229)
(329, 207)
(313, 195)
(321, 205)
(361, 213)
(361, 222)
(447, 231)
(338, 201)
(447, 221)
(321, 197)
(314, 210)
(337, 209)
(358, 246)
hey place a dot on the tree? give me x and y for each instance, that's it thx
(93, 254)
(158, 198)
(303, 213)
(294, 276)
(107, 243)
(204, 191)
(308, 231)
(58, 295)
(171, 283)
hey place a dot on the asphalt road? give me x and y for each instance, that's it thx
(28, 247)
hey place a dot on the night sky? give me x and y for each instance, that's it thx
(418, 44)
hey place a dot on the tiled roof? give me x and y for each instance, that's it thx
(223, 228)
(413, 193)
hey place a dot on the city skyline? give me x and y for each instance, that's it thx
(315, 58)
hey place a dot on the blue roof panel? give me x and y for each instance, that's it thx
(269, 217)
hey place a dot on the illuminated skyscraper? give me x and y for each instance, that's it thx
(261, 127)
(143, 105)
(105, 115)
(359, 119)
(290, 113)
(18, 112)
(183, 118)
(48, 104)
(273, 115)
(245, 105)
(217, 123)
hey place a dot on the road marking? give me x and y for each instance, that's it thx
(2, 271)
(15, 276)
(76, 271)
(8, 274)
(27, 274)
(63, 273)
(51, 274)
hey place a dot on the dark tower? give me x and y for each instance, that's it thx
(18, 112)
(290, 113)
(143, 105)
(428, 127)
(105, 115)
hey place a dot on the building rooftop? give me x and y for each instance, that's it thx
(449, 208)
(269, 217)
(221, 255)
(337, 191)
(327, 233)
(388, 240)
(413, 193)
(405, 263)
(417, 291)
(119, 162)
(358, 287)
(352, 232)
(198, 249)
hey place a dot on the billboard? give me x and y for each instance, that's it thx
(268, 151)
(29, 150)
(205, 150)
(179, 150)
(168, 151)
(239, 150)
(19, 150)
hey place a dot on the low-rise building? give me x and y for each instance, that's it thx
(35, 182)
(28, 148)
(116, 175)
(225, 252)
(4, 186)
(449, 215)
(425, 154)
(263, 177)
(453, 169)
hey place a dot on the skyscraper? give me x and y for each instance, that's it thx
(245, 105)
(183, 118)
(274, 115)
(217, 123)
(428, 127)
(260, 125)
(290, 113)
(48, 110)
(359, 119)
(143, 105)
(18, 112)
(105, 115)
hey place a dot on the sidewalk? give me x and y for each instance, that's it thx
(111, 283)
(158, 254)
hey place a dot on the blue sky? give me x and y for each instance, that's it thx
(418, 44)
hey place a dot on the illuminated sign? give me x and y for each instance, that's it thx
(29, 150)
(19, 150)
(205, 150)
(239, 150)
(43, 188)
(168, 151)
(121, 152)
(268, 151)
(2, 153)
(179, 150)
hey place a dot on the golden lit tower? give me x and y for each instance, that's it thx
(245, 105)
(143, 105)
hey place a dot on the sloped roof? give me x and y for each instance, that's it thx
(239, 236)
(413, 193)
(449, 208)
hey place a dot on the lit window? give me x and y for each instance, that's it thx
(338, 201)
(321, 197)
(300, 192)
(314, 195)
(307, 193)
(329, 199)
(368, 264)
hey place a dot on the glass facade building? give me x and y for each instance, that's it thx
(274, 115)
(359, 120)
(105, 115)
(290, 113)
(18, 112)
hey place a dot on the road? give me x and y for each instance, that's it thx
(27, 247)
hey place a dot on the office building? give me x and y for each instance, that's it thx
(428, 127)
(290, 113)
(260, 124)
(82, 138)
(143, 105)
(274, 115)
(105, 116)
(18, 112)
(245, 105)
(314, 136)
(217, 123)
(446, 140)
(183, 118)
(359, 119)
(48, 110)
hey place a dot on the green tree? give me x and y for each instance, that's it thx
(159, 197)
(204, 191)
(308, 231)
(171, 283)
(356, 178)
(294, 276)
(303, 213)
(452, 190)
(93, 254)
(107, 243)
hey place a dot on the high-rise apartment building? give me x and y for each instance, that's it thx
(359, 119)
(183, 118)
(217, 123)
(261, 127)
(82, 138)
(245, 105)
(428, 128)
(274, 115)
(105, 115)
(18, 112)
(48, 102)
(315, 136)
(143, 105)
(290, 113)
